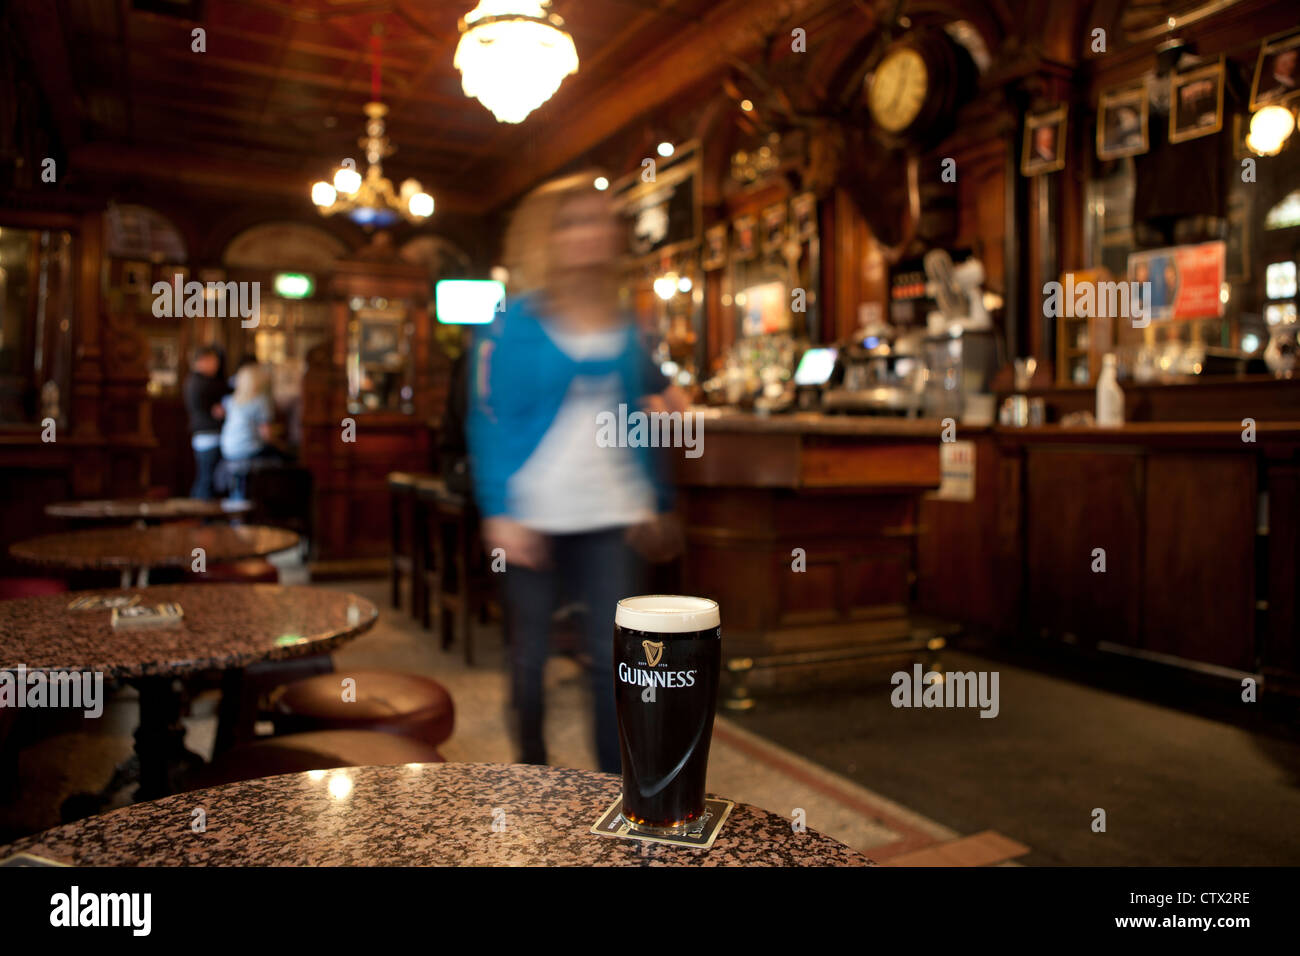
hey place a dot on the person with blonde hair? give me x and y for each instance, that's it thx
(246, 431)
(561, 507)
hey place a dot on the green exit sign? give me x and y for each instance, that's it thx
(294, 285)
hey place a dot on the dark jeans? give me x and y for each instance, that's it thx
(205, 463)
(232, 473)
(597, 569)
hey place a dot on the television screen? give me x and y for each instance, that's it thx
(468, 301)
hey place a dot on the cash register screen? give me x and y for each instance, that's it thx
(815, 367)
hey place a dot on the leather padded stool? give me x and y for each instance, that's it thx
(394, 703)
(12, 588)
(322, 750)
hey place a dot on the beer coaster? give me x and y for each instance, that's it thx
(700, 836)
(146, 615)
(103, 602)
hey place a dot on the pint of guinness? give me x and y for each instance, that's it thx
(667, 654)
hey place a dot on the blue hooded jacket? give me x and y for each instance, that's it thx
(518, 380)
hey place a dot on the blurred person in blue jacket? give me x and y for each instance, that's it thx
(564, 510)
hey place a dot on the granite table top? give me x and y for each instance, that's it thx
(412, 815)
(224, 626)
(167, 509)
(163, 546)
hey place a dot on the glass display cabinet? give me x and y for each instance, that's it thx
(379, 361)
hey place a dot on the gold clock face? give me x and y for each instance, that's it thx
(898, 89)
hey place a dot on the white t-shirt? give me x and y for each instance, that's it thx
(569, 484)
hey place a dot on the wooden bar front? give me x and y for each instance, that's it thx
(804, 528)
(1195, 522)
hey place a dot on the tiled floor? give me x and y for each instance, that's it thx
(1177, 787)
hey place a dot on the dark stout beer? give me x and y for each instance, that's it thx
(667, 654)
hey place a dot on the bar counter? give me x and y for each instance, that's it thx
(804, 527)
(817, 423)
(1170, 541)
(821, 534)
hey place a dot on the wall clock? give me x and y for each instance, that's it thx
(916, 88)
(898, 89)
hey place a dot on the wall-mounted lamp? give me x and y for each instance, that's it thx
(666, 286)
(1270, 128)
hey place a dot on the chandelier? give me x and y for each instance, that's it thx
(513, 55)
(371, 201)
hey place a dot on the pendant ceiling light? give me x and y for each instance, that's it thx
(371, 200)
(513, 55)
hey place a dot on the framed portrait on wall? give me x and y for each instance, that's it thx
(803, 216)
(1196, 103)
(715, 247)
(745, 244)
(164, 362)
(1277, 71)
(1122, 123)
(775, 218)
(1044, 142)
(662, 216)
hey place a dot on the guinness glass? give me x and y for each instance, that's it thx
(667, 653)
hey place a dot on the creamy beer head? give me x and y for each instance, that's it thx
(667, 613)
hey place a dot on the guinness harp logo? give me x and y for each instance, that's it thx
(654, 651)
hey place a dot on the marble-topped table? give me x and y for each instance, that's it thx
(225, 627)
(139, 549)
(147, 509)
(413, 815)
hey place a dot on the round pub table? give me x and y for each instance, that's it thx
(451, 814)
(224, 627)
(147, 509)
(133, 551)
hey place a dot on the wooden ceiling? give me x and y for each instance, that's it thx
(276, 100)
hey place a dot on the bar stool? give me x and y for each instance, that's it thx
(409, 705)
(456, 573)
(242, 691)
(424, 491)
(405, 534)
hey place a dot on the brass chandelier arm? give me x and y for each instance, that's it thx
(553, 20)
